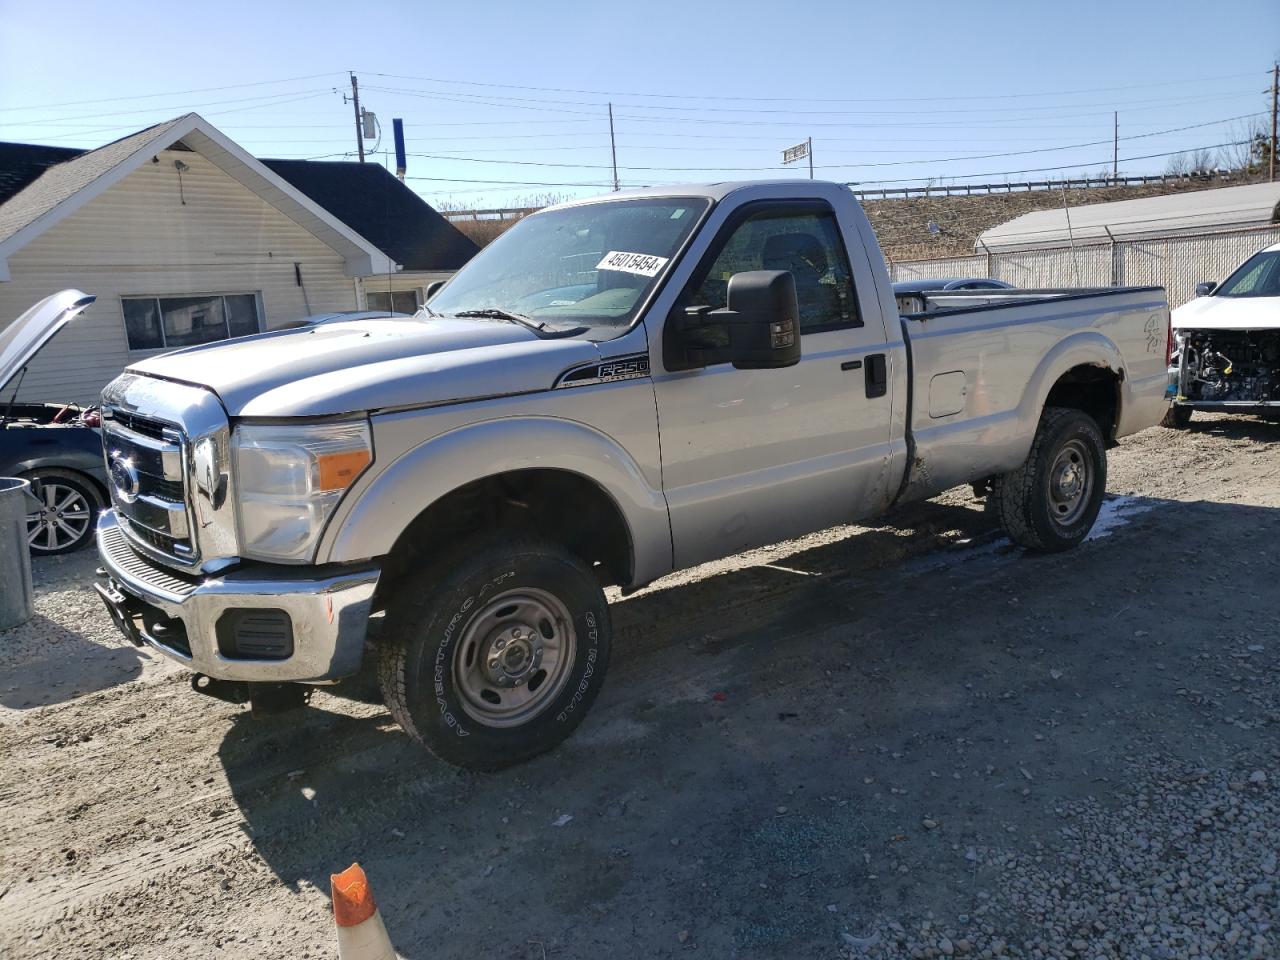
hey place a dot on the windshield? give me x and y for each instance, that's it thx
(584, 266)
(1259, 276)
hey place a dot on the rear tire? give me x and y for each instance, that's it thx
(1051, 502)
(494, 654)
(1177, 417)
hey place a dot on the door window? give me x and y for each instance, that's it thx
(806, 243)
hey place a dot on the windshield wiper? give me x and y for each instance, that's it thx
(537, 326)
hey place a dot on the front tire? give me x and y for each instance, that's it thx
(1051, 502)
(70, 504)
(494, 655)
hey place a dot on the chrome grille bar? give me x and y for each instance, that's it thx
(159, 458)
(155, 513)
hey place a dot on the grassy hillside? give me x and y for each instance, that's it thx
(902, 226)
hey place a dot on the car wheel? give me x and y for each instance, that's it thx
(1051, 501)
(69, 505)
(493, 655)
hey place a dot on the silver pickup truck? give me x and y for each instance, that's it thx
(614, 389)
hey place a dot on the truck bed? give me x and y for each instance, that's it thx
(982, 364)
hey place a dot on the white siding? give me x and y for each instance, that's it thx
(417, 280)
(139, 238)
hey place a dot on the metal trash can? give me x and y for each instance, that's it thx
(17, 598)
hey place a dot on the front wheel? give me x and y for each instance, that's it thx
(68, 505)
(1051, 501)
(494, 655)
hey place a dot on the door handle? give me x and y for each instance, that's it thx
(851, 365)
(877, 376)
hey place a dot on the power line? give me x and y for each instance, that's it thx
(216, 113)
(1002, 173)
(829, 166)
(881, 99)
(1065, 166)
(188, 108)
(171, 93)
(524, 102)
(1159, 105)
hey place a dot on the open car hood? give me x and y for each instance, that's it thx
(23, 338)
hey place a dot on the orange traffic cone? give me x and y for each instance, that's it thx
(361, 933)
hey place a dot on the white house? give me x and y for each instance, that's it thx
(185, 238)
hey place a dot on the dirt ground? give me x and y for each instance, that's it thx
(906, 740)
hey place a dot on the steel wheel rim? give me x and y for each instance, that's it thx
(62, 519)
(1071, 480)
(514, 657)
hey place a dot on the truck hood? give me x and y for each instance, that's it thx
(364, 365)
(25, 337)
(1228, 313)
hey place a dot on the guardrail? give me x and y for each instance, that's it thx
(1074, 183)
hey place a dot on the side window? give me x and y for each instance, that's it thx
(807, 244)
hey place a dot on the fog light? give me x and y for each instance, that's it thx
(255, 635)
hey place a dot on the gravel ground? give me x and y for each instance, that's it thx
(911, 740)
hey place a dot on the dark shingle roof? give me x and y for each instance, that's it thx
(21, 163)
(376, 205)
(61, 181)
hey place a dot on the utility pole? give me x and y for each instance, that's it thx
(1275, 96)
(808, 141)
(1115, 148)
(613, 149)
(355, 100)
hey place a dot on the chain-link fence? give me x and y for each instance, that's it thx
(1176, 263)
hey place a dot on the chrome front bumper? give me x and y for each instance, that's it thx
(329, 614)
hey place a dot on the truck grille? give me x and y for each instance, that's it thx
(146, 466)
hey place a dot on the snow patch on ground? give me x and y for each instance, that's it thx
(1116, 512)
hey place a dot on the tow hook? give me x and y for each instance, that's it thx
(263, 698)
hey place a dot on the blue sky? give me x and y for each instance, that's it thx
(504, 101)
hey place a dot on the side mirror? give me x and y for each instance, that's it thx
(1206, 288)
(763, 319)
(433, 288)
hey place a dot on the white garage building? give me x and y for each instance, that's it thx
(185, 238)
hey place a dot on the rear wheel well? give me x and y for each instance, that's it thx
(1094, 390)
(556, 505)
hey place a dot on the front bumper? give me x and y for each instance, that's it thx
(178, 614)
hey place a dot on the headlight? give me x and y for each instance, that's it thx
(289, 478)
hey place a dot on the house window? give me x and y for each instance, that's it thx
(396, 301)
(166, 323)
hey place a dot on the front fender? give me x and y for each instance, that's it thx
(383, 505)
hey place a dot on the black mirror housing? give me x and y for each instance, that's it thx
(763, 319)
(432, 289)
(1205, 288)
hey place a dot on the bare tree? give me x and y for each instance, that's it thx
(1202, 161)
(1250, 146)
(1179, 165)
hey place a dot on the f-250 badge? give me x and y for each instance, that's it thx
(617, 368)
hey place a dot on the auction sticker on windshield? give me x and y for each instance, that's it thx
(642, 264)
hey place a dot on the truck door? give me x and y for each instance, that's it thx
(751, 457)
